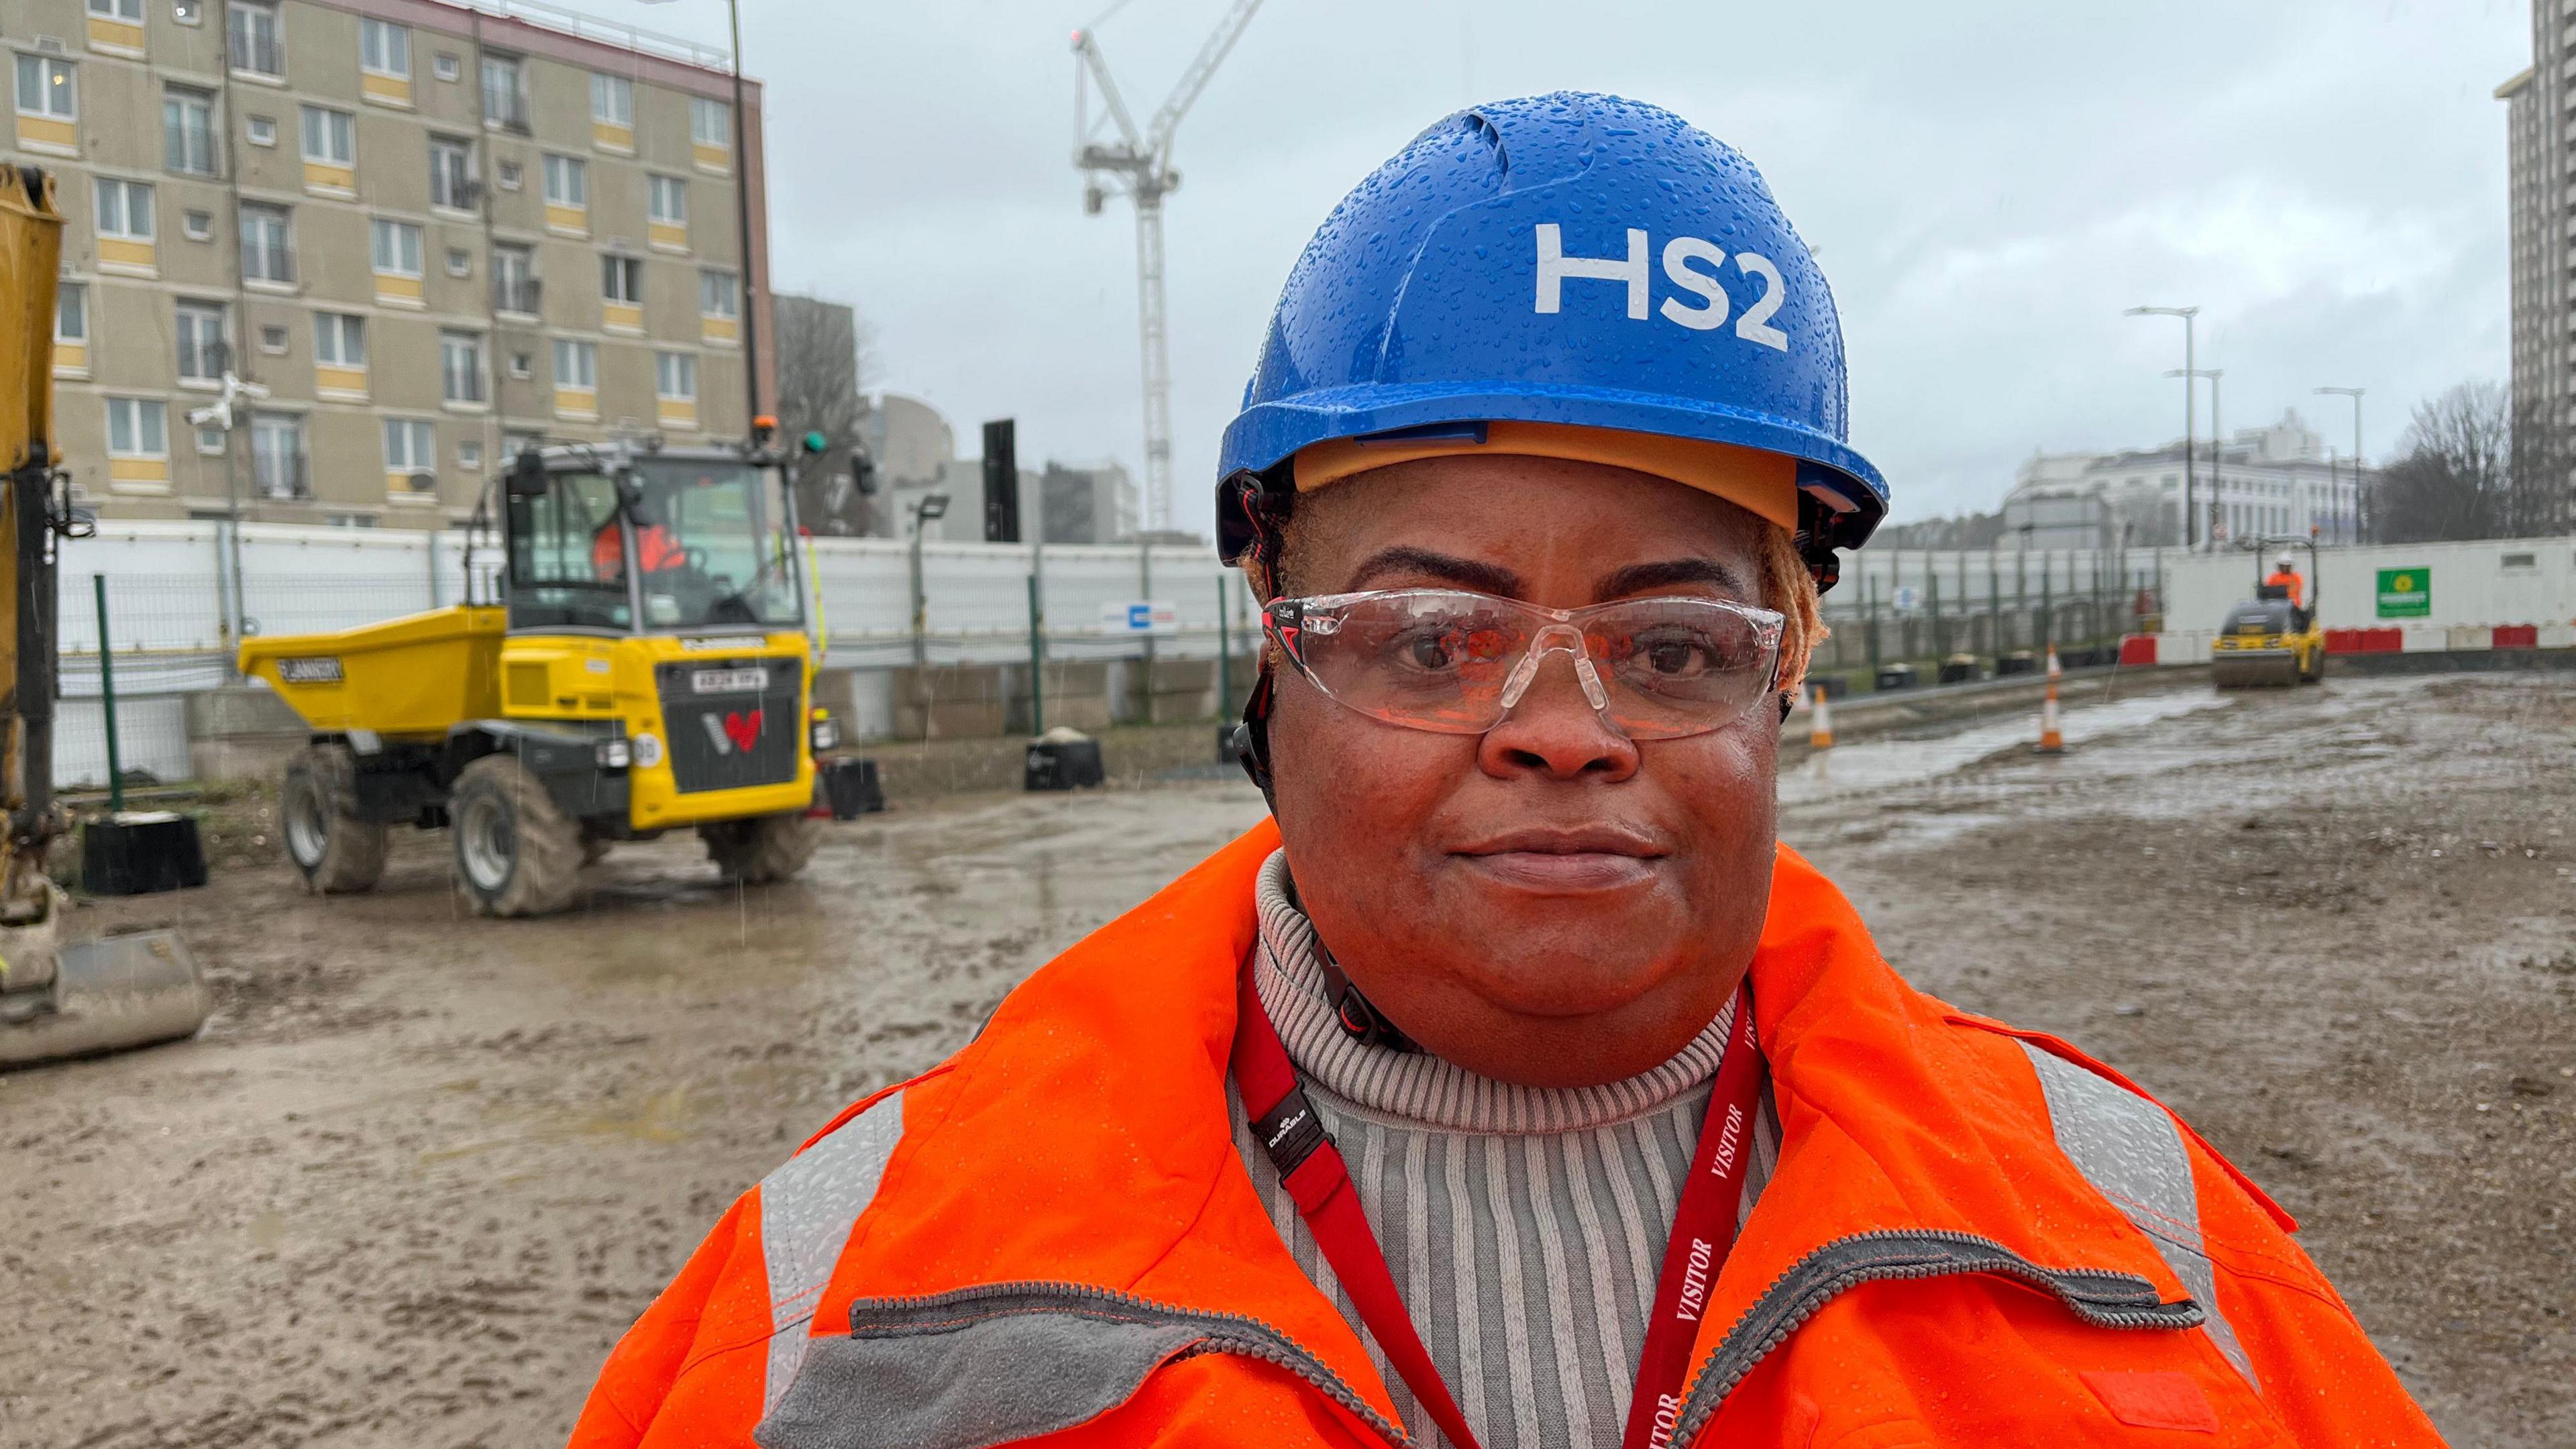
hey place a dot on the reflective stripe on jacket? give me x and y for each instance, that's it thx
(1975, 1236)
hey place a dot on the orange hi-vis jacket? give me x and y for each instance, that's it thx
(2289, 580)
(1975, 1236)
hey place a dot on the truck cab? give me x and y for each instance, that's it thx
(656, 597)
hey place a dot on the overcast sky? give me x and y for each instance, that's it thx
(1988, 185)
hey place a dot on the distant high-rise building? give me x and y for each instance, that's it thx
(2539, 147)
(431, 233)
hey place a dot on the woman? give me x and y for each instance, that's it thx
(1516, 1088)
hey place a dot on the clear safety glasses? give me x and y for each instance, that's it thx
(1456, 662)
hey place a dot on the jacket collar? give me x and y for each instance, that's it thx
(1084, 1137)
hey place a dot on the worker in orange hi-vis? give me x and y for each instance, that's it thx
(657, 548)
(2285, 574)
(1512, 1085)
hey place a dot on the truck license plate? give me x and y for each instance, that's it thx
(729, 681)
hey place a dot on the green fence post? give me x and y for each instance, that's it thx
(107, 700)
(1037, 662)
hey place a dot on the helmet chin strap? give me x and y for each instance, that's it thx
(1360, 1020)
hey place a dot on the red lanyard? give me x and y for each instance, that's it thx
(1312, 1170)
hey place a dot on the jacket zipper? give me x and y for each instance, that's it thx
(1234, 1333)
(2098, 1296)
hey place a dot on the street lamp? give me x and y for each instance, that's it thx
(930, 509)
(2217, 446)
(2187, 314)
(2355, 394)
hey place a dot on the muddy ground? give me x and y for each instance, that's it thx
(421, 1170)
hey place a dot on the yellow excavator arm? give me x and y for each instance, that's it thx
(57, 999)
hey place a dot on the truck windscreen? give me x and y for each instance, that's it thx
(713, 545)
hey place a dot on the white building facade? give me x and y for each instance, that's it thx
(2280, 479)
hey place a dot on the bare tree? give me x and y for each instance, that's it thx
(2454, 477)
(826, 359)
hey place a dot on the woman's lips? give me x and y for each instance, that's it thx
(1562, 872)
(1561, 861)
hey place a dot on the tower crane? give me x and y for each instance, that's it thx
(1117, 158)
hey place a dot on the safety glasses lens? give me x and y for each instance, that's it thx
(1454, 662)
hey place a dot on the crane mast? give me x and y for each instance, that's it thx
(1118, 158)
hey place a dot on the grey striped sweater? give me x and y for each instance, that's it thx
(1524, 1226)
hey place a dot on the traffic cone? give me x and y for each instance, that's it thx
(1820, 724)
(2050, 741)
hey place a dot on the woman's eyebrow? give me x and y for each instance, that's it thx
(1646, 577)
(1484, 578)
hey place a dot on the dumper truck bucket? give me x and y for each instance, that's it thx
(415, 675)
(104, 996)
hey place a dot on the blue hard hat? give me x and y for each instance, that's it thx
(1571, 259)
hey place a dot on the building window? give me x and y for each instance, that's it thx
(339, 340)
(205, 350)
(460, 367)
(710, 123)
(251, 34)
(612, 100)
(384, 47)
(188, 12)
(567, 182)
(268, 253)
(444, 65)
(411, 446)
(71, 313)
(128, 11)
(198, 224)
(460, 262)
(675, 376)
(522, 366)
(396, 247)
(669, 200)
(210, 441)
(330, 137)
(47, 88)
(272, 339)
(576, 365)
(509, 173)
(505, 103)
(137, 427)
(469, 454)
(719, 295)
(124, 209)
(261, 130)
(514, 280)
(277, 453)
(621, 280)
(451, 174)
(188, 130)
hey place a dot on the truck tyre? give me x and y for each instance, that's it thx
(517, 852)
(317, 806)
(763, 848)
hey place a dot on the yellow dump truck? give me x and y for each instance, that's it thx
(645, 669)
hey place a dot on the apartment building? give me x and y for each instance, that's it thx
(415, 234)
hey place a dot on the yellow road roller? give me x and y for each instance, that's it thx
(2275, 638)
(646, 670)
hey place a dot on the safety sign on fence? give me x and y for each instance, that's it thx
(2406, 593)
(1159, 616)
